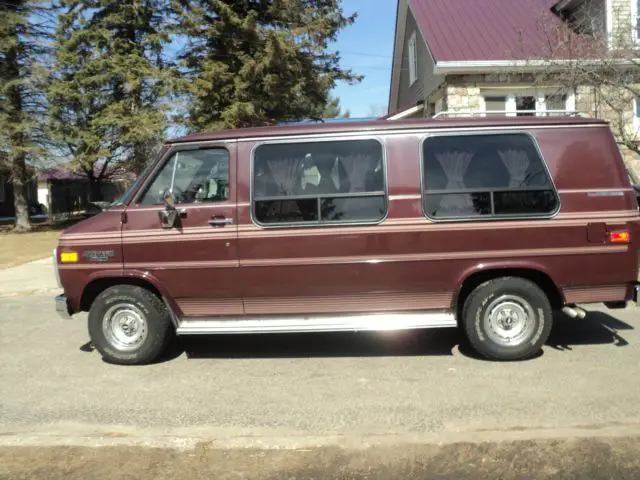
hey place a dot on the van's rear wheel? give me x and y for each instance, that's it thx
(507, 318)
(129, 325)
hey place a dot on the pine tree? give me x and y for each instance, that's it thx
(333, 110)
(24, 30)
(252, 63)
(110, 84)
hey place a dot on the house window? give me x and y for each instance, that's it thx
(556, 105)
(413, 59)
(636, 113)
(317, 183)
(485, 176)
(2, 180)
(525, 106)
(496, 105)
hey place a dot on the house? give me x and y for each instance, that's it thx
(7, 208)
(63, 192)
(475, 57)
(58, 193)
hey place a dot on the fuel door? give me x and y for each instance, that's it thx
(597, 232)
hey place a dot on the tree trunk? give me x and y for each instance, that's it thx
(20, 180)
(95, 189)
(17, 153)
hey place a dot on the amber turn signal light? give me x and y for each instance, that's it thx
(68, 257)
(621, 236)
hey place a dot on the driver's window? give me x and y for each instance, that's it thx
(192, 176)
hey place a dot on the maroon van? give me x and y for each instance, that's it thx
(485, 224)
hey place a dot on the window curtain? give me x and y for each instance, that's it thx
(356, 168)
(454, 165)
(285, 172)
(517, 162)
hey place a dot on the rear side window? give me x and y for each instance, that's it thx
(319, 182)
(484, 176)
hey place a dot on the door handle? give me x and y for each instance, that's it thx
(220, 221)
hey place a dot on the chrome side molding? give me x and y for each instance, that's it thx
(317, 323)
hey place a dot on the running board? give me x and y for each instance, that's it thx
(316, 323)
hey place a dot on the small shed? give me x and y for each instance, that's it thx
(64, 192)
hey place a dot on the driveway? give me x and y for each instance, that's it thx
(312, 390)
(33, 278)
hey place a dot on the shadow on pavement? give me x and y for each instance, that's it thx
(598, 328)
(308, 345)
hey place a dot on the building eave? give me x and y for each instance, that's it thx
(509, 66)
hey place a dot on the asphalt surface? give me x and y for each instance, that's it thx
(312, 390)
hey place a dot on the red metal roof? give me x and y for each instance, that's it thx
(472, 30)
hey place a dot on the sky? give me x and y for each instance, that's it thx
(366, 47)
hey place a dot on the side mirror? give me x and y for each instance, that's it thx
(170, 216)
(168, 199)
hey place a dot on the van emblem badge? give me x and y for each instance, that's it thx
(98, 255)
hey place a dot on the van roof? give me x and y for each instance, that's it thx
(387, 125)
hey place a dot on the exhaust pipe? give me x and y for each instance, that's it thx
(575, 312)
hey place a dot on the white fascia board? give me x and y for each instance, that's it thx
(406, 113)
(491, 66)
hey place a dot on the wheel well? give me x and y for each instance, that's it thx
(95, 288)
(539, 278)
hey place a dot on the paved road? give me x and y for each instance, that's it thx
(299, 390)
(33, 278)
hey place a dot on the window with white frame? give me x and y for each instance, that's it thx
(413, 59)
(526, 103)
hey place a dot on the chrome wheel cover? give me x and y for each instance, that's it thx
(125, 327)
(509, 320)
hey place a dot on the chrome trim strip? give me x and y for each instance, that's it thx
(56, 270)
(405, 197)
(433, 257)
(317, 323)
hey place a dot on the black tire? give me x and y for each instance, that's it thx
(141, 303)
(504, 296)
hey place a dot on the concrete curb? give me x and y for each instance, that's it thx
(226, 438)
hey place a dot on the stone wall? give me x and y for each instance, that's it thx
(461, 99)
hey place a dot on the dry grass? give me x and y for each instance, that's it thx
(17, 248)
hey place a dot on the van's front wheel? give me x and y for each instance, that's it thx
(507, 318)
(129, 325)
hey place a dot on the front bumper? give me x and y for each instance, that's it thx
(635, 291)
(62, 307)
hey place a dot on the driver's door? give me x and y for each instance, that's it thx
(195, 260)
